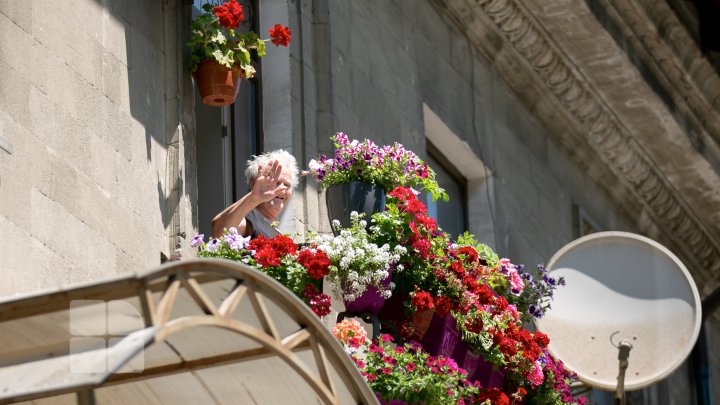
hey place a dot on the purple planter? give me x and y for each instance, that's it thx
(442, 337)
(371, 301)
(478, 368)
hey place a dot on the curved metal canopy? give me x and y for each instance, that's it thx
(205, 330)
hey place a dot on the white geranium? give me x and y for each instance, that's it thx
(356, 262)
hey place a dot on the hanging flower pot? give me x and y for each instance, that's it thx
(220, 51)
(218, 85)
(360, 196)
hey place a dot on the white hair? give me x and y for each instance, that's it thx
(284, 158)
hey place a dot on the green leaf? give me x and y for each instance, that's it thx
(218, 38)
(225, 59)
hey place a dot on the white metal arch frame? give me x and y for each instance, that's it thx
(191, 275)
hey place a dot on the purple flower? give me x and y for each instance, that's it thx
(213, 245)
(197, 240)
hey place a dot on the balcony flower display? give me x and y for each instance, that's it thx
(465, 305)
(221, 54)
(388, 166)
(298, 269)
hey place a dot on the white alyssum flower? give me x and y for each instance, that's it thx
(356, 262)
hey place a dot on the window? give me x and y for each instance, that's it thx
(466, 179)
(226, 138)
(451, 216)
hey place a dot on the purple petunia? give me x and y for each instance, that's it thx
(197, 240)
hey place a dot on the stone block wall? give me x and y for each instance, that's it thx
(89, 117)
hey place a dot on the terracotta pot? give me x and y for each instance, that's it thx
(420, 322)
(218, 85)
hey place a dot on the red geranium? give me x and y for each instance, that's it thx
(317, 264)
(402, 193)
(443, 305)
(280, 35)
(422, 300)
(230, 14)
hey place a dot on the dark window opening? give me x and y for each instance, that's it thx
(451, 216)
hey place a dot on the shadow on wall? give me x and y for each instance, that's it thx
(156, 84)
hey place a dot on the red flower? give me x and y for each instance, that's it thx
(457, 268)
(495, 395)
(267, 257)
(410, 366)
(280, 35)
(284, 244)
(508, 347)
(542, 340)
(426, 221)
(415, 207)
(442, 305)
(471, 255)
(422, 300)
(319, 302)
(402, 193)
(230, 14)
(422, 246)
(371, 377)
(317, 264)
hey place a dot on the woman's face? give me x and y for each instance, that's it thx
(277, 204)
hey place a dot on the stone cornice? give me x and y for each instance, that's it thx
(494, 26)
(662, 43)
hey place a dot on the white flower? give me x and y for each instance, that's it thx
(335, 223)
(314, 165)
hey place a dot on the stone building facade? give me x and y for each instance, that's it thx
(551, 118)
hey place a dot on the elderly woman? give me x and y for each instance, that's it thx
(271, 177)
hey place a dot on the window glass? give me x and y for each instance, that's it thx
(450, 215)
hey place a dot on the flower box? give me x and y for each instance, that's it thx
(442, 337)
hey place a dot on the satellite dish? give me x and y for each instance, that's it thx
(624, 293)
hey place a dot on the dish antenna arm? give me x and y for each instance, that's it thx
(624, 348)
